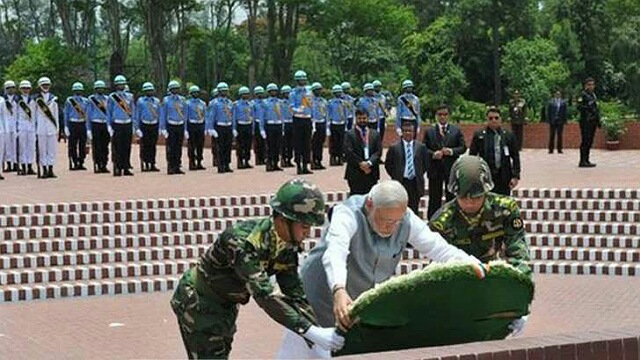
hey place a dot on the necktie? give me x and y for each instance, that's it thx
(411, 172)
(443, 130)
(497, 150)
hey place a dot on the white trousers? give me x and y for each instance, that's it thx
(10, 147)
(27, 147)
(295, 347)
(47, 148)
(2, 149)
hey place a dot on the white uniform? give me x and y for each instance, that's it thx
(3, 133)
(47, 129)
(8, 116)
(26, 129)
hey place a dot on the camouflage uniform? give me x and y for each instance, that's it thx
(496, 231)
(237, 266)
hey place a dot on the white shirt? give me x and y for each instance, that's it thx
(408, 161)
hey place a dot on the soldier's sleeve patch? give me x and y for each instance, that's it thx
(517, 223)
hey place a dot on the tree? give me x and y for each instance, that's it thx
(625, 55)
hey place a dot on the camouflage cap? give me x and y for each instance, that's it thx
(300, 201)
(470, 177)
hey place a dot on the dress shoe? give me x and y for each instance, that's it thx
(306, 171)
(154, 168)
(117, 172)
(51, 175)
(228, 169)
(278, 168)
(200, 167)
(247, 165)
(179, 172)
(586, 165)
(127, 172)
(30, 170)
(81, 167)
(1, 177)
(560, 152)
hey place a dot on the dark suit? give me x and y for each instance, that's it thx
(509, 166)
(556, 116)
(395, 164)
(359, 182)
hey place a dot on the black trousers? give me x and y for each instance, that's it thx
(225, 141)
(382, 125)
(336, 145)
(245, 134)
(411, 185)
(555, 133)
(196, 142)
(301, 139)
(588, 133)
(274, 140)
(148, 143)
(437, 182)
(77, 142)
(287, 142)
(361, 186)
(501, 179)
(317, 141)
(100, 144)
(174, 147)
(122, 134)
(349, 123)
(260, 145)
(518, 133)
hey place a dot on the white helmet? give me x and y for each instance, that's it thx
(25, 84)
(44, 81)
(9, 84)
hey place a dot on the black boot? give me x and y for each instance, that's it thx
(247, 165)
(269, 166)
(127, 172)
(192, 166)
(30, 170)
(299, 169)
(22, 171)
(153, 168)
(51, 174)
(16, 167)
(199, 166)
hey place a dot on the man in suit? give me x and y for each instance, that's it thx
(363, 150)
(499, 149)
(556, 116)
(406, 162)
(445, 143)
(589, 121)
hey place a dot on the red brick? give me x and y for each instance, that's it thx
(631, 351)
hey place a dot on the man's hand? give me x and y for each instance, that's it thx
(341, 303)
(438, 155)
(447, 151)
(364, 166)
(513, 183)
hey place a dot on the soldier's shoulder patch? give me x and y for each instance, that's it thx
(517, 223)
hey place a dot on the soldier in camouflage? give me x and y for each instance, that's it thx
(483, 224)
(238, 265)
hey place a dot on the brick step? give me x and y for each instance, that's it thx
(585, 268)
(91, 257)
(582, 215)
(596, 228)
(570, 193)
(582, 205)
(583, 241)
(114, 270)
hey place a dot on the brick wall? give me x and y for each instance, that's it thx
(537, 136)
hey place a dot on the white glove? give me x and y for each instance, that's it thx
(399, 132)
(66, 131)
(263, 134)
(186, 135)
(110, 130)
(328, 131)
(326, 338)
(517, 326)
(89, 135)
(214, 133)
(235, 133)
(418, 129)
(139, 133)
(165, 134)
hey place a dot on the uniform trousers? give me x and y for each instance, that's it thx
(274, 140)
(47, 149)
(196, 142)
(121, 143)
(260, 145)
(148, 143)
(437, 181)
(225, 141)
(588, 133)
(501, 179)
(555, 130)
(3, 137)
(100, 143)
(245, 134)
(27, 146)
(287, 141)
(10, 147)
(77, 142)
(336, 145)
(301, 139)
(518, 134)
(317, 141)
(174, 146)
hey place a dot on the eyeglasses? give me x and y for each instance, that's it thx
(494, 117)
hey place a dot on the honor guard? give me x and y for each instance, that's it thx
(220, 126)
(195, 126)
(214, 145)
(383, 107)
(271, 126)
(319, 131)
(349, 102)
(147, 124)
(408, 107)
(26, 112)
(8, 113)
(97, 132)
(47, 128)
(287, 131)
(75, 126)
(589, 121)
(337, 111)
(243, 115)
(369, 103)
(3, 131)
(173, 116)
(120, 110)
(301, 103)
(258, 108)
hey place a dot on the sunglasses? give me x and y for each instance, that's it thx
(494, 117)
(443, 114)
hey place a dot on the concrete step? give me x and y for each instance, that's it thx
(580, 204)
(583, 240)
(582, 215)
(570, 193)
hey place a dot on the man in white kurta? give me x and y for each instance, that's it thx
(360, 249)
(47, 127)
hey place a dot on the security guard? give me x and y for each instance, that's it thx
(287, 141)
(382, 107)
(301, 103)
(272, 126)
(75, 125)
(97, 131)
(214, 141)
(319, 118)
(407, 108)
(147, 122)
(259, 136)
(173, 126)
(120, 111)
(370, 104)
(337, 110)
(47, 128)
(26, 129)
(220, 126)
(589, 121)
(8, 113)
(518, 117)
(196, 117)
(243, 115)
(349, 102)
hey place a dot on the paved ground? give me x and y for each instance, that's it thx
(143, 326)
(615, 169)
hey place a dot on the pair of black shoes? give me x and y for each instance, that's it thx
(303, 170)
(586, 164)
(149, 167)
(26, 170)
(47, 173)
(120, 172)
(317, 166)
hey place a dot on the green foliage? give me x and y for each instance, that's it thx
(50, 58)
(468, 111)
(614, 117)
(625, 54)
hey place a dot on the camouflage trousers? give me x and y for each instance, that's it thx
(207, 325)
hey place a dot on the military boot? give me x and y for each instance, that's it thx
(51, 174)
(30, 170)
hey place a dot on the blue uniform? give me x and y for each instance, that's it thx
(319, 116)
(272, 125)
(370, 105)
(75, 123)
(403, 111)
(173, 111)
(258, 109)
(147, 111)
(147, 120)
(287, 114)
(337, 111)
(196, 113)
(301, 102)
(120, 108)
(97, 126)
(75, 110)
(96, 110)
(220, 119)
(351, 109)
(243, 115)
(271, 112)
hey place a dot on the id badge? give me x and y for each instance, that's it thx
(366, 153)
(506, 151)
